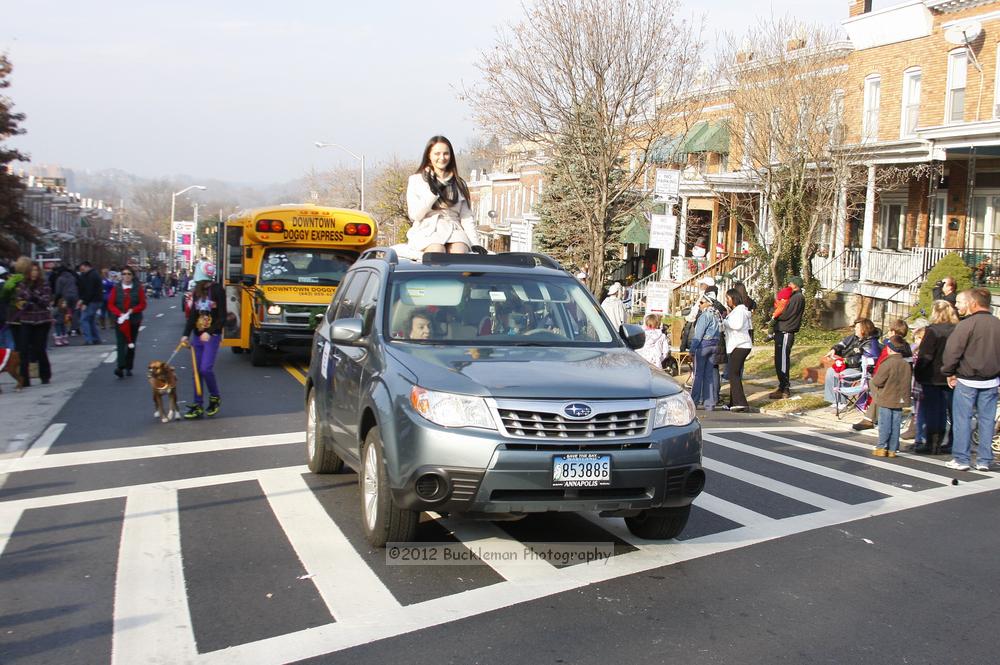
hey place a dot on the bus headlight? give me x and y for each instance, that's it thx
(274, 310)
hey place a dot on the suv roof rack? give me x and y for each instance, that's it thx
(513, 260)
(387, 253)
(543, 259)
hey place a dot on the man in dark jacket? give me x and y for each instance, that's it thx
(972, 367)
(91, 299)
(786, 325)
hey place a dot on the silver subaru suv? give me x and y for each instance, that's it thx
(492, 387)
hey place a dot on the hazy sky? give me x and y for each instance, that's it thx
(241, 90)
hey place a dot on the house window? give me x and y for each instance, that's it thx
(746, 159)
(872, 104)
(911, 103)
(935, 226)
(958, 65)
(835, 119)
(893, 223)
(775, 142)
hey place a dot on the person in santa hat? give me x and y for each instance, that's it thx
(126, 301)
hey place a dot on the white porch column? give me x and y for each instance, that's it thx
(840, 221)
(869, 225)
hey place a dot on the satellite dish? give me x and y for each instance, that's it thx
(964, 33)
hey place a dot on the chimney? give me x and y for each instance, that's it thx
(859, 7)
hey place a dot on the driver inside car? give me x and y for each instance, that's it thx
(421, 325)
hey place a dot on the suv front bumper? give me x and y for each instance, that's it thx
(515, 476)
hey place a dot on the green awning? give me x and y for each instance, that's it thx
(691, 139)
(636, 232)
(712, 137)
(666, 150)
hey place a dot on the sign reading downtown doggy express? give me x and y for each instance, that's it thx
(347, 228)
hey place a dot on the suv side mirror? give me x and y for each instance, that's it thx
(634, 336)
(248, 280)
(346, 331)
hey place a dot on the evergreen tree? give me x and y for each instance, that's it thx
(14, 224)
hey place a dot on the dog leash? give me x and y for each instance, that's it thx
(179, 347)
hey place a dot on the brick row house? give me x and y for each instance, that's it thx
(919, 95)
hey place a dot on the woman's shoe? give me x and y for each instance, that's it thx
(194, 411)
(128, 372)
(119, 372)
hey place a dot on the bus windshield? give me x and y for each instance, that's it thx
(290, 265)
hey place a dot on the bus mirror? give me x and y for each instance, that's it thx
(248, 280)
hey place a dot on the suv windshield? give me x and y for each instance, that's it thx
(282, 265)
(497, 309)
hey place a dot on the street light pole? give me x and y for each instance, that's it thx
(173, 210)
(361, 158)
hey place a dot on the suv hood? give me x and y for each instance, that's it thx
(534, 372)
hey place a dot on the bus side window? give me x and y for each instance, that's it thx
(234, 253)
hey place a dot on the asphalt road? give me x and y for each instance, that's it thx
(130, 541)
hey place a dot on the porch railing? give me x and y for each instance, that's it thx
(900, 268)
(844, 267)
(686, 291)
(985, 264)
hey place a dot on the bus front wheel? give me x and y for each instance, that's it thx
(258, 354)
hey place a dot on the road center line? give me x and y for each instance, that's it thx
(345, 582)
(38, 461)
(152, 622)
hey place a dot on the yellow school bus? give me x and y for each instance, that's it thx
(280, 267)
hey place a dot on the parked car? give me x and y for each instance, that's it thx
(493, 386)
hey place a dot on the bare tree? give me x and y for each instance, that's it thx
(596, 79)
(388, 202)
(149, 206)
(787, 82)
(340, 187)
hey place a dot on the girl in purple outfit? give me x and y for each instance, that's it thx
(205, 320)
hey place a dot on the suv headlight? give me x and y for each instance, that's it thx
(674, 410)
(450, 410)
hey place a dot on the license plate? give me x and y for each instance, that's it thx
(581, 470)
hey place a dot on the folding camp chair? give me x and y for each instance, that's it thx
(850, 388)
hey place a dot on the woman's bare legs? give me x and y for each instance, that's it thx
(458, 248)
(436, 247)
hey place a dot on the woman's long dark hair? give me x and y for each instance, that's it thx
(452, 167)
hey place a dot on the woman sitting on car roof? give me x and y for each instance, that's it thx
(437, 201)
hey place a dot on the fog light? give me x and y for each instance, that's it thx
(429, 486)
(694, 483)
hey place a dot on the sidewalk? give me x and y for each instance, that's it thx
(25, 414)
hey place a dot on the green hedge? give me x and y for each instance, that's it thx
(950, 265)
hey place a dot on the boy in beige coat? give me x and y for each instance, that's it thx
(893, 381)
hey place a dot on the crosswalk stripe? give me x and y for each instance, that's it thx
(731, 511)
(9, 517)
(879, 464)
(924, 459)
(29, 463)
(152, 623)
(345, 582)
(43, 442)
(110, 358)
(488, 537)
(115, 492)
(776, 486)
(874, 485)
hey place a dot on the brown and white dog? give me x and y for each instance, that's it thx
(163, 381)
(10, 363)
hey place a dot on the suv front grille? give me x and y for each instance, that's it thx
(543, 425)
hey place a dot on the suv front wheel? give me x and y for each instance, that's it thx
(319, 450)
(383, 520)
(659, 523)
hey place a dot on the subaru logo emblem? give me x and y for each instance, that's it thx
(577, 410)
